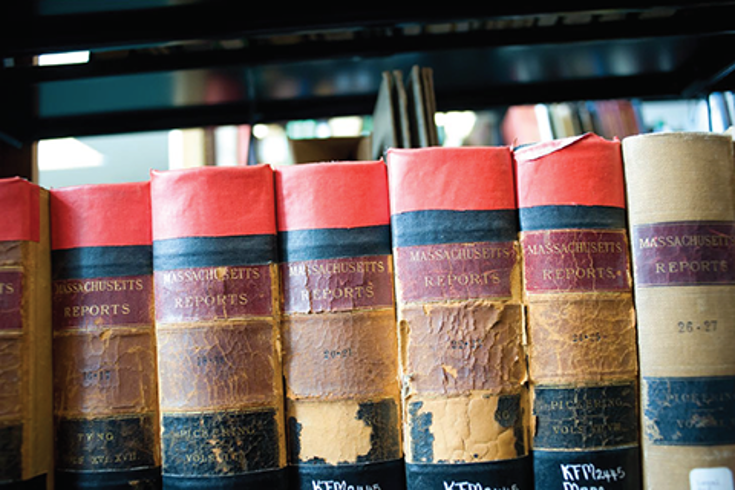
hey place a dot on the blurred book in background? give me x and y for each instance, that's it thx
(526, 124)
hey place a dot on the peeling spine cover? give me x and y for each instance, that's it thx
(340, 338)
(104, 346)
(26, 450)
(681, 190)
(455, 232)
(581, 326)
(219, 347)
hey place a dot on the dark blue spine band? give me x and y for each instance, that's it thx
(572, 217)
(193, 252)
(91, 262)
(436, 227)
(334, 243)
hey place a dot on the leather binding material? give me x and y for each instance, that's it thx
(217, 312)
(458, 291)
(26, 433)
(105, 389)
(581, 326)
(340, 340)
(681, 194)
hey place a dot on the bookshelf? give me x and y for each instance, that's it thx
(161, 64)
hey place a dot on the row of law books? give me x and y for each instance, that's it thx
(449, 319)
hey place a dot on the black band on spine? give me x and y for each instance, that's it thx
(148, 478)
(387, 475)
(613, 469)
(192, 252)
(35, 483)
(509, 474)
(267, 480)
(436, 227)
(91, 262)
(334, 243)
(569, 217)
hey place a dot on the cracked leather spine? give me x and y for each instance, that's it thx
(458, 288)
(581, 332)
(105, 392)
(340, 341)
(218, 339)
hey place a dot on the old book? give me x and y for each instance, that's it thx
(217, 313)
(105, 392)
(339, 328)
(682, 222)
(26, 432)
(386, 118)
(427, 75)
(458, 293)
(580, 320)
(400, 99)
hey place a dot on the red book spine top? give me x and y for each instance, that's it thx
(457, 179)
(20, 205)
(583, 170)
(332, 195)
(103, 215)
(213, 202)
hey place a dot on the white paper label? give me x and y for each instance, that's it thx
(711, 479)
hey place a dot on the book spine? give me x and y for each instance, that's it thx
(581, 329)
(219, 350)
(458, 290)
(340, 340)
(26, 434)
(105, 392)
(682, 225)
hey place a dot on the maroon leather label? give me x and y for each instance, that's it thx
(684, 253)
(455, 271)
(103, 302)
(212, 293)
(575, 260)
(337, 284)
(11, 295)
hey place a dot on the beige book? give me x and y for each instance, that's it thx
(682, 221)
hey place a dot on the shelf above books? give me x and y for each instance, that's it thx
(211, 68)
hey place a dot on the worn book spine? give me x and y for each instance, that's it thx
(105, 393)
(458, 291)
(217, 326)
(340, 340)
(580, 320)
(26, 421)
(681, 194)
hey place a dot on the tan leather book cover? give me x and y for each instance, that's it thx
(26, 422)
(681, 194)
(339, 327)
(105, 390)
(458, 291)
(217, 326)
(582, 355)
